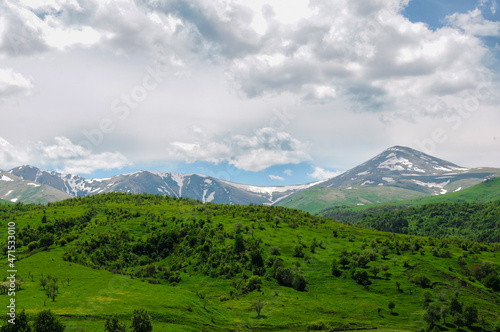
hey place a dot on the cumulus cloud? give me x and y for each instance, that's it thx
(474, 23)
(64, 155)
(323, 174)
(267, 147)
(276, 177)
(13, 84)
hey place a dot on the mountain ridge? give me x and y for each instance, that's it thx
(396, 173)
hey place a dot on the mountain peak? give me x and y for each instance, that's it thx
(393, 166)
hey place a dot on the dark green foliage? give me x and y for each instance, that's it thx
(470, 314)
(46, 321)
(298, 251)
(239, 244)
(472, 221)
(361, 277)
(253, 283)
(113, 325)
(141, 321)
(455, 306)
(20, 326)
(433, 314)
(422, 280)
(335, 268)
(299, 283)
(391, 306)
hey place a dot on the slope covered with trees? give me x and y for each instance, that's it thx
(107, 260)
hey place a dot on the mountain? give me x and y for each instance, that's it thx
(397, 173)
(194, 186)
(15, 189)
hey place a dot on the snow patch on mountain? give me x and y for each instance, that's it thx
(5, 178)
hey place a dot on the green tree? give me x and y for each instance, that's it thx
(445, 311)
(47, 321)
(391, 306)
(257, 306)
(335, 268)
(113, 325)
(141, 321)
(455, 306)
(374, 270)
(20, 326)
(239, 244)
(297, 251)
(433, 314)
(470, 314)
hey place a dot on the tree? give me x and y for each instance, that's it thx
(297, 251)
(299, 282)
(257, 306)
(113, 325)
(392, 305)
(433, 314)
(455, 306)
(20, 326)
(141, 321)
(344, 260)
(470, 314)
(47, 321)
(384, 252)
(398, 285)
(374, 270)
(445, 310)
(335, 268)
(239, 244)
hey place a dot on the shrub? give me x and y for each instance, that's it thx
(274, 251)
(299, 283)
(297, 251)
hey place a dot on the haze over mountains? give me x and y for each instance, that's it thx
(396, 173)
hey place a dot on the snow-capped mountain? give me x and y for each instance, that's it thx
(406, 168)
(15, 189)
(195, 186)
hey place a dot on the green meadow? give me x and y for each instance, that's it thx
(203, 267)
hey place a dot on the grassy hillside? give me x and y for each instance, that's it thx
(314, 200)
(201, 267)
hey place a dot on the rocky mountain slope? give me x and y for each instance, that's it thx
(395, 174)
(194, 186)
(15, 189)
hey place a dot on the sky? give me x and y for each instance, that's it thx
(261, 92)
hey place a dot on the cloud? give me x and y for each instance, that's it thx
(323, 174)
(63, 155)
(287, 172)
(14, 84)
(474, 23)
(267, 147)
(276, 177)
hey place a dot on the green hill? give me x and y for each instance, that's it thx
(202, 267)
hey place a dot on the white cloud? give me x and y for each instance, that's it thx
(13, 83)
(322, 174)
(474, 23)
(267, 147)
(287, 172)
(276, 177)
(64, 155)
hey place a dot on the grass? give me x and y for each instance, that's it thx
(93, 294)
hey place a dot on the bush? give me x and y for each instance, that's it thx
(299, 283)
(297, 251)
(274, 251)
(422, 280)
(32, 245)
(47, 321)
(141, 321)
(253, 283)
